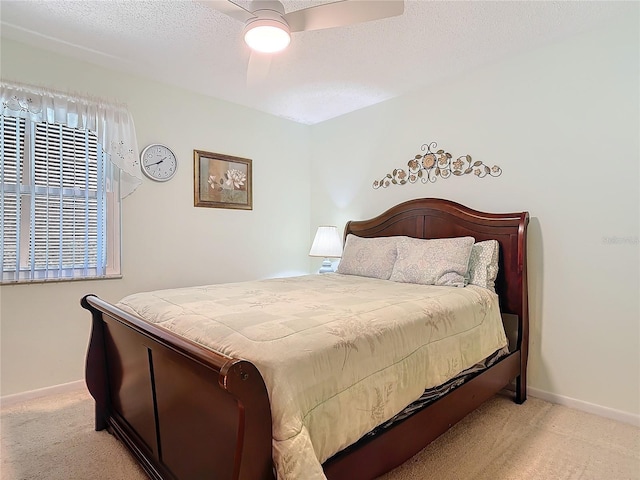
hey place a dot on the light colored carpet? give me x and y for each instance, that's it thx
(53, 439)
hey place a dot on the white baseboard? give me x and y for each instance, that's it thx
(10, 400)
(620, 416)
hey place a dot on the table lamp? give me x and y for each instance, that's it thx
(328, 244)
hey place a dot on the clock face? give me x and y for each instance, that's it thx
(158, 162)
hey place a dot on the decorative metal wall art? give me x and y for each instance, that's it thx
(433, 164)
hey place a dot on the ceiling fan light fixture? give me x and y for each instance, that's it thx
(267, 35)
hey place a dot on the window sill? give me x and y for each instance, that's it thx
(7, 283)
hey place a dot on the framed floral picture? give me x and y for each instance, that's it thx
(222, 181)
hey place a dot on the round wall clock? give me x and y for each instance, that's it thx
(158, 162)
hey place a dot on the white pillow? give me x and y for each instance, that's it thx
(483, 264)
(368, 257)
(439, 261)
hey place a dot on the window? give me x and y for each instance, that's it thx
(59, 203)
(65, 164)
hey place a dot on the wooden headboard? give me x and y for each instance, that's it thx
(438, 218)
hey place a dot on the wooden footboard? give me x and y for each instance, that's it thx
(184, 411)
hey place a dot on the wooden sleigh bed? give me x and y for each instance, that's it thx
(144, 378)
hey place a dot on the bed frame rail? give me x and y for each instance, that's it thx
(374, 456)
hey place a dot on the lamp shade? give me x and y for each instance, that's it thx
(327, 243)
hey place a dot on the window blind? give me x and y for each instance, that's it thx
(53, 203)
(12, 133)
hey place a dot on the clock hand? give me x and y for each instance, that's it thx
(156, 163)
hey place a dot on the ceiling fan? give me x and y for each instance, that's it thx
(267, 28)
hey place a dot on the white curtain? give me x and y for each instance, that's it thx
(112, 124)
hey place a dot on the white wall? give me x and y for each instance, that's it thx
(166, 241)
(562, 122)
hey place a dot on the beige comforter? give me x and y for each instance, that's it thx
(339, 354)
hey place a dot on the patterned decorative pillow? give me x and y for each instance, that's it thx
(483, 264)
(368, 257)
(440, 261)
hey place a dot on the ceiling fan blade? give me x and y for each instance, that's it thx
(344, 12)
(258, 68)
(229, 8)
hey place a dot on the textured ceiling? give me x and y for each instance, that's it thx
(323, 73)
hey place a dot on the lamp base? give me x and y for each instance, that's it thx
(326, 266)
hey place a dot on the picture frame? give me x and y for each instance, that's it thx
(222, 181)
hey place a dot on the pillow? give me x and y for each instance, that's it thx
(368, 257)
(440, 261)
(483, 264)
